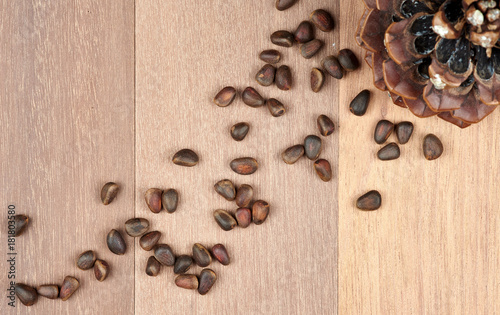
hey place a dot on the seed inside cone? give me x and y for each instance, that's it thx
(185, 157)
(271, 56)
(312, 147)
(220, 253)
(332, 66)
(359, 104)
(265, 76)
(260, 211)
(404, 130)
(225, 220)
(170, 200)
(325, 125)
(282, 38)
(389, 152)
(225, 97)
(164, 254)
(226, 189)
(152, 267)
(182, 264)
(244, 195)
(153, 199)
(243, 217)
(383, 130)
(372, 200)
(206, 281)
(201, 255)
(239, 131)
(116, 243)
(109, 192)
(101, 270)
(252, 98)
(433, 147)
(348, 60)
(149, 240)
(68, 287)
(323, 20)
(186, 281)
(317, 79)
(323, 169)
(244, 166)
(26, 294)
(49, 291)
(86, 260)
(20, 223)
(136, 227)
(283, 78)
(311, 48)
(276, 108)
(293, 154)
(304, 32)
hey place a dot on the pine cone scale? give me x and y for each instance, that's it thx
(435, 57)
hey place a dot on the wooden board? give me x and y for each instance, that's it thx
(67, 127)
(185, 55)
(99, 91)
(433, 248)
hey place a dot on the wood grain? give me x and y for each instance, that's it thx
(185, 55)
(72, 119)
(433, 247)
(67, 127)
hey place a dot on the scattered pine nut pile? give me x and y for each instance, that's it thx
(249, 210)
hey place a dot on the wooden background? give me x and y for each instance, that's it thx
(94, 91)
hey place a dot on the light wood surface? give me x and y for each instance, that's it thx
(434, 246)
(66, 128)
(85, 101)
(185, 55)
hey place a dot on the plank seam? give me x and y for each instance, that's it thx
(135, 143)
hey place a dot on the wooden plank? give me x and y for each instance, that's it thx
(433, 247)
(185, 55)
(67, 127)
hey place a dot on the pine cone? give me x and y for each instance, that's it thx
(435, 57)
